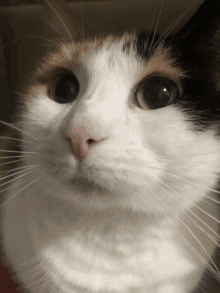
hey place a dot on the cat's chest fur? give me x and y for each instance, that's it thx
(85, 250)
(115, 262)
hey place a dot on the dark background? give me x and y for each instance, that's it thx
(25, 2)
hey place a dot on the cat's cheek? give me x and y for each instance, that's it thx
(43, 116)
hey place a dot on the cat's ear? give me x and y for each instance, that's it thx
(206, 20)
(199, 42)
(64, 23)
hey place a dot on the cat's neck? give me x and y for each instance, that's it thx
(105, 222)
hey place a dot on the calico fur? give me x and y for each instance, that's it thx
(134, 214)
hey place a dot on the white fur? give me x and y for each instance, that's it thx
(135, 237)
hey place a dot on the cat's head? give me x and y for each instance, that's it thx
(130, 121)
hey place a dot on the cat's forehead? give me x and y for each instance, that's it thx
(112, 55)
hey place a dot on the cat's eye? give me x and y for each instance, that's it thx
(156, 92)
(64, 88)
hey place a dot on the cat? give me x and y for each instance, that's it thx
(117, 186)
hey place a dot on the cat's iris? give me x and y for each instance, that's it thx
(64, 88)
(156, 92)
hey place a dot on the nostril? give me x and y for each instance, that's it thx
(90, 141)
(80, 143)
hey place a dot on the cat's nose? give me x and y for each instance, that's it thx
(80, 142)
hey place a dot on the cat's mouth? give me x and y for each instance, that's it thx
(83, 183)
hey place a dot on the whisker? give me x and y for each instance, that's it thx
(191, 156)
(205, 232)
(212, 199)
(18, 192)
(199, 185)
(202, 247)
(155, 31)
(193, 204)
(217, 271)
(21, 156)
(10, 187)
(21, 124)
(187, 181)
(11, 162)
(26, 97)
(152, 23)
(15, 178)
(1, 178)
(15, 41)
(18, 168)
(12, 126)
(171, 27)
(32, 189)
(170, 157)
(186, 240)
(7, 138)
(62, 38)
(206, 213)
(20, 152)
(60, 20)
(45, 39)
(12, 138)
(82, 20)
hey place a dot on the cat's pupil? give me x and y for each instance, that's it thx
(156, 92)
(64, 88)
(157, 95)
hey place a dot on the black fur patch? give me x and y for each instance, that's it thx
(196, 48)
(145, 44)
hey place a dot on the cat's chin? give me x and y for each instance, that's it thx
(90, 195)
(92, 191)
(86, 186)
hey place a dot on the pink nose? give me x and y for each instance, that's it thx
(80, 142)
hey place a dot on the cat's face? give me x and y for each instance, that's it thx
(118, 125)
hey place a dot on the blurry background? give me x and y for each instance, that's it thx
(26, 2)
